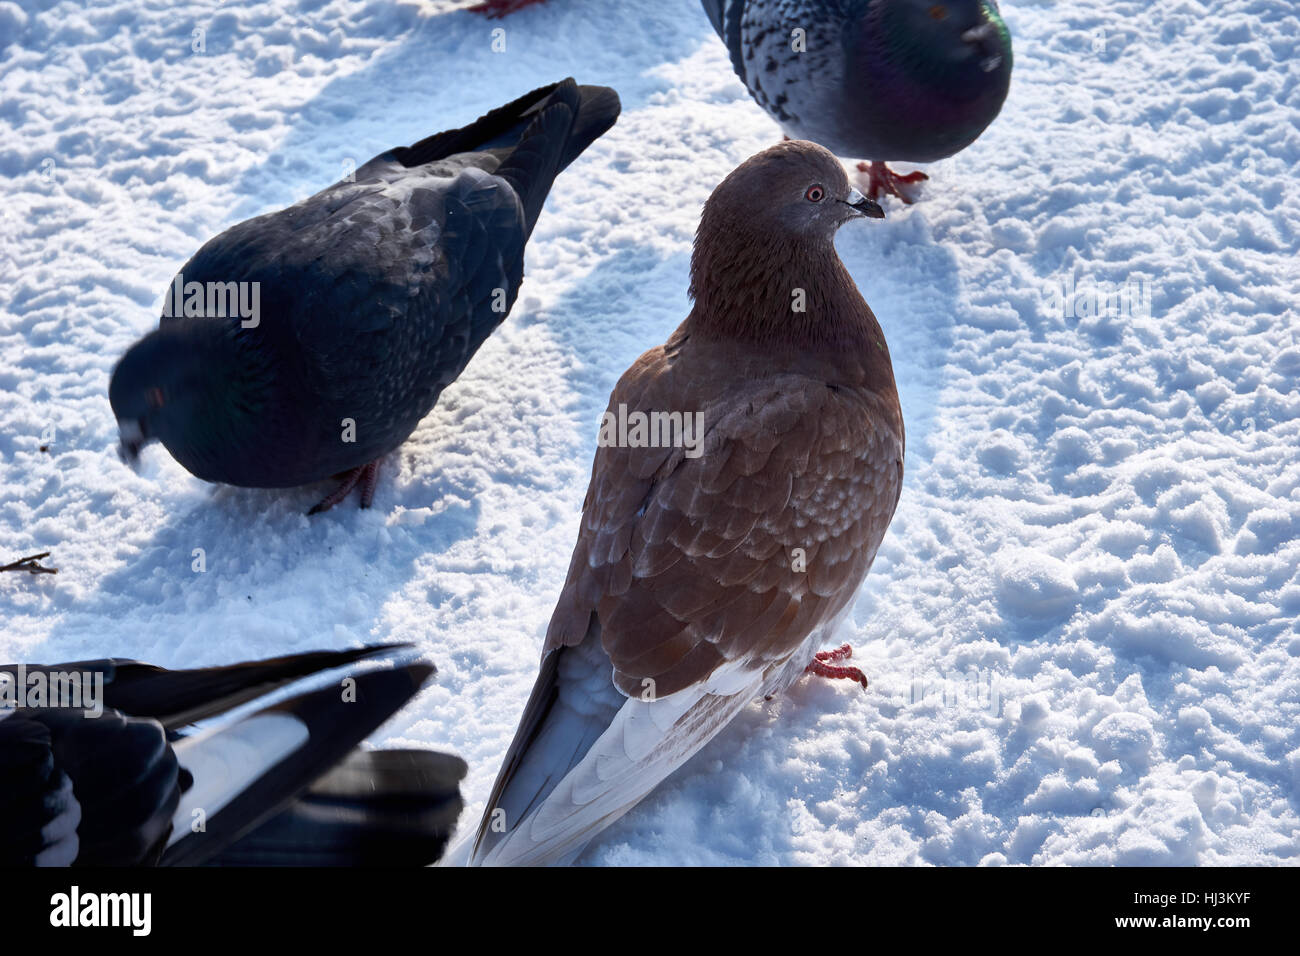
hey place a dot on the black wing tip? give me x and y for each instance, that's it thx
(185, 696)
(109, 665)
(385, 689)
(336, 723)
(563, 124)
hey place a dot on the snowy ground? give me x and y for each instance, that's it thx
(1082, 629)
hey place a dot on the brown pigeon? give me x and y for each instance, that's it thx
(718, 549)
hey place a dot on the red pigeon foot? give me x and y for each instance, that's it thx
(881, 180)
(496, 9)
(822, 667)
(367, 476)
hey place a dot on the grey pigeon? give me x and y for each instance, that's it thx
(96, 773)
(880, 80)
(308, 343)
(711, 566)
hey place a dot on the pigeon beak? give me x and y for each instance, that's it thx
(864, 206)
(131, 437)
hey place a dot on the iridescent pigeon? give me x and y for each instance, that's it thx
(310, 342)
(880, 80)
(715, 556)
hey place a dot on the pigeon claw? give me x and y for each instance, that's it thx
(881, 180)
(823, 666)
(367, 476)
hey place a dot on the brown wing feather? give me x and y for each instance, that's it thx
(687, 562)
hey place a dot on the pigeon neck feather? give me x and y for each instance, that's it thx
(228, 389)
(788, 292)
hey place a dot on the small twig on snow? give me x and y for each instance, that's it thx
(30, 564)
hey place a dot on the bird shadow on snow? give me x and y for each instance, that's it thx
(244, 572)
(445, 75)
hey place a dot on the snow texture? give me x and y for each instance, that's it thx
(1081, 631)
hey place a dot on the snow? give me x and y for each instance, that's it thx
(1081, 631)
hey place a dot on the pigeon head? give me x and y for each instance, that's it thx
(764, 266)
(167, 384)
(151, 388)
(793, 191)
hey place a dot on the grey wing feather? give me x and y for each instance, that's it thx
(725, 15)
(391, 277)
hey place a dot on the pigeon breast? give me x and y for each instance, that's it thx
(872, 79)
(738, 554)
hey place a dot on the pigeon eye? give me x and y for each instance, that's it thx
(815, 194)
(155, 397)
(938, 12)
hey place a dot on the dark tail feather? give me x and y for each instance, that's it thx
(500, 127)
(540, 134)
(570, 120)
(378, 808)
(334, 725)
(598, 108)
(177, 698)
